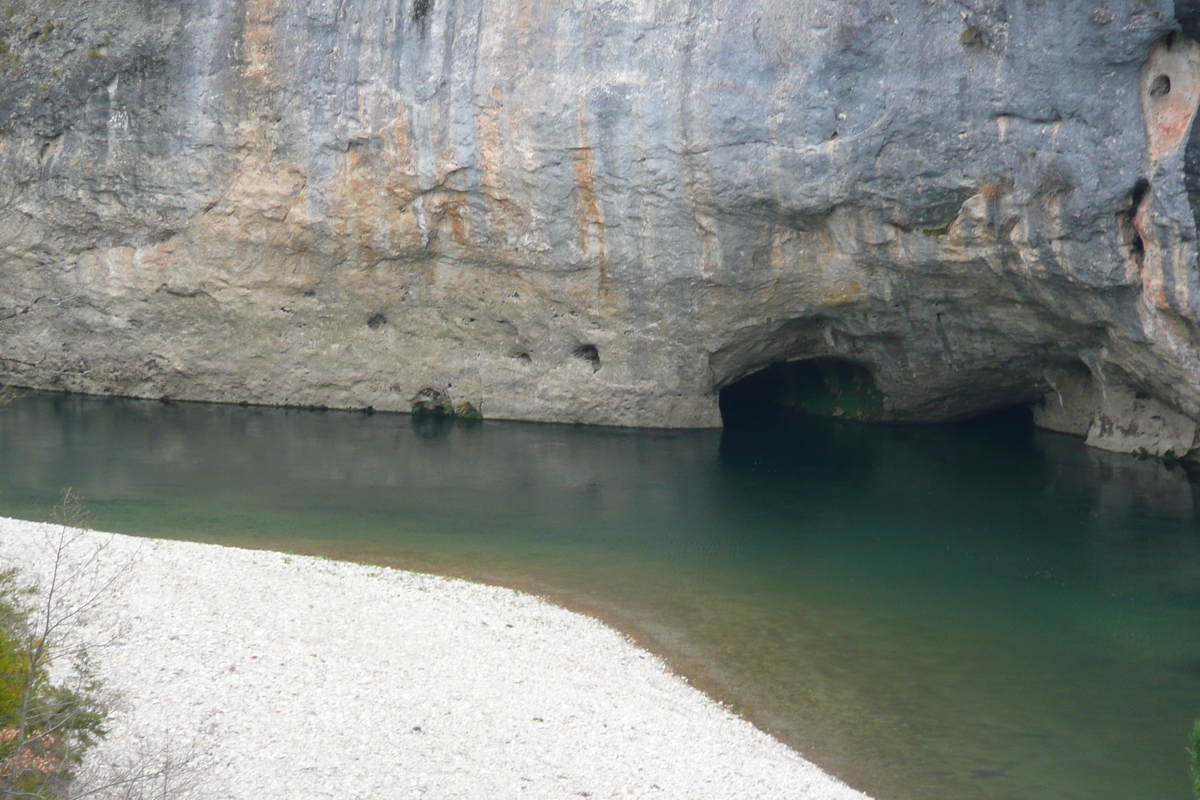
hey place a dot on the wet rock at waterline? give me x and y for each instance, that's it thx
(600, 213)
(431, 402)
(1115, 417)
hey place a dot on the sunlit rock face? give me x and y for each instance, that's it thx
(597, 211)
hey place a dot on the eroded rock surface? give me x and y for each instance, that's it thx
(1115, 417)
(598, 211)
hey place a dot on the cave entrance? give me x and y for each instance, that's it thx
(818, 387)
(833, 388)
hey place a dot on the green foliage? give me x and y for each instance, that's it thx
(14, 664)
(1194, 751)
(45, 726)
(14, 674)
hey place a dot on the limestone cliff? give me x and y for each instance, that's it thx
(600, 211)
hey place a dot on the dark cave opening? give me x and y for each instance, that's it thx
(834, 389)
(817, 387)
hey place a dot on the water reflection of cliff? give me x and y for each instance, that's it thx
(1137, 506)
(999, 477)
(392, 469)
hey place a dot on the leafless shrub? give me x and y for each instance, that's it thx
(53, 708)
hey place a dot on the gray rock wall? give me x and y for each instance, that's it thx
(596, 211)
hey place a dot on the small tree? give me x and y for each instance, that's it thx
(47, 723)
(52, 706)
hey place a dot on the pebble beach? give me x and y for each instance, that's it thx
(294, 677)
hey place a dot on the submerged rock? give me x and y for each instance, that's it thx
(601, 212)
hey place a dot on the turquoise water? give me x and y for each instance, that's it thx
(979, 611)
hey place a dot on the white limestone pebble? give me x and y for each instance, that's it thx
(305, 678)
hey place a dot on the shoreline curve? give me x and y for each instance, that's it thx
(296, 676)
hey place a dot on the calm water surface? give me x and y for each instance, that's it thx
(979, 611)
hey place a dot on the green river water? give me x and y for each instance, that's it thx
(977, 611)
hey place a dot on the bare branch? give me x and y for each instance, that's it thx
(60, 714)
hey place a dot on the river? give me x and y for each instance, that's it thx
(978, 610)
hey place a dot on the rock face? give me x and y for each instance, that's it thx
(1115, 417)
(598, 211)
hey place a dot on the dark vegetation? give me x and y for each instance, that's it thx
(46, 725)
(53, 708)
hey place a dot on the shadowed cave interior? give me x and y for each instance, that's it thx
(830, 388)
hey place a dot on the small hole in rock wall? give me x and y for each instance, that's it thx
(588, 352)
(1161, 86)
(376, 322)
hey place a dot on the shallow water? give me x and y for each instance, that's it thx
(979, 611)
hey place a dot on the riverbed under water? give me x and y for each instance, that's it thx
(974, 611)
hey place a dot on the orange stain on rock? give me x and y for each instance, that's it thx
(1170, 92)
(990, 192)
(589, 212)
(373, 189)
(1153, 292)
(458, 211)
(259, 38)
(402, 160)
(842, 295)
(491, 165)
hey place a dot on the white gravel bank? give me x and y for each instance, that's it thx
(306, 678)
